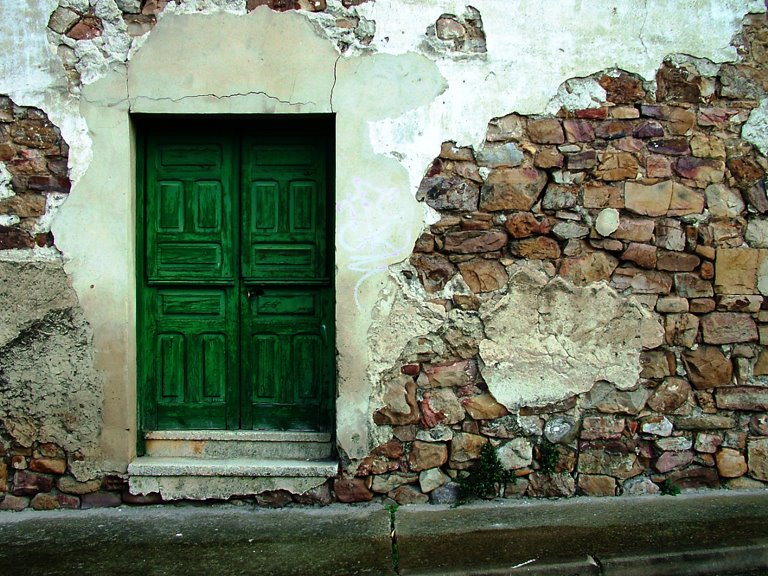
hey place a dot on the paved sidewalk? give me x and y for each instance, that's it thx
(714, 533)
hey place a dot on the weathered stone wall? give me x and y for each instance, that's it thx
(588, 288)
(598, 279)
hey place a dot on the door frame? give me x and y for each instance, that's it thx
(320, 125)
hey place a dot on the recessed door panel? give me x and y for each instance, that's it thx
(237, 301)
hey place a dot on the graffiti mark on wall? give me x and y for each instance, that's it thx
(366, 234)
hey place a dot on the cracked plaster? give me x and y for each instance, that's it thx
(394, 109)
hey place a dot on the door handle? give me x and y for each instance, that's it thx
(253, 292)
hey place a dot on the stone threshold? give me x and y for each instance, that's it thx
(245, 467)
(240, 435)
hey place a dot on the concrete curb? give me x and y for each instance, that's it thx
(703, 534)
(603, 536)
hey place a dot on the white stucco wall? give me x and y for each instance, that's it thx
(395, 101)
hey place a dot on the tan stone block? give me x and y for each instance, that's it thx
(681, 329)
(650, 200)
(657, 363)
(483, 275)
(483, 407)
(426, 455)
(548, 157)
(465, 448)
(658, 166)
(730, 463)
(672, 305)
(704, 146)
(736, 270)
(702, 305)
(596, 485)
(707, 252)
(538, 248)
(685, 201)
(602, 196)
(757, 458)
(512, 188)
(634, 229)
(546, 131)
(591, 267)
(616, 166)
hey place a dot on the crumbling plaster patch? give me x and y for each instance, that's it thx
(533, 48)
(49, 390)
(548, 339)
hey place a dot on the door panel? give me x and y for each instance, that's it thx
(285, 213)
(189, 208)
(195, 332)
(287, 364)
(236, 307)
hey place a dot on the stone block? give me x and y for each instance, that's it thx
(634, 229)
(757, 458)
(451, 374)
(616, 166)
(644, 255)
(677, 261)
(591, 267)
(730, 463)
(475, 241)
(591, 485)
(601, 428)
(447, 192)
(612, 458)
(669, 461)
(551, 485)
(641, 281)
(546, 131)
(689, 285)
(657, 363)
(670, 235)
(648, 200)
(685, 201)
(426, 455)
(728, 327)
(694, 478)
(465, 448)
(483, 275)
(14, 503)
(578, 130)
(736, 270)
(681, 329)
(29, 483)
(101, 499)
(483, 407)
(702, 170)
(408, 495)
(670, 395)
(512, 189)
(749, 398)
(537, 248)
(707, 367)
(352, 490)
(603, 196)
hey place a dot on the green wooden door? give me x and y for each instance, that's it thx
(236, 301)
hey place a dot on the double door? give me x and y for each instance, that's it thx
(236, 300)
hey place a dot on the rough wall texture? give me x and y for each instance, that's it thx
(655, 196)
(588, 297)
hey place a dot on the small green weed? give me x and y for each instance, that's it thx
(669, 489)
(548, 456)
(489, 478)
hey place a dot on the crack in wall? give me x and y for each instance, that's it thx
(132, 101)
(335, 78)
(642, 28)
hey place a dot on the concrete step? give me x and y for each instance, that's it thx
(207, 444)
(198, 478)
